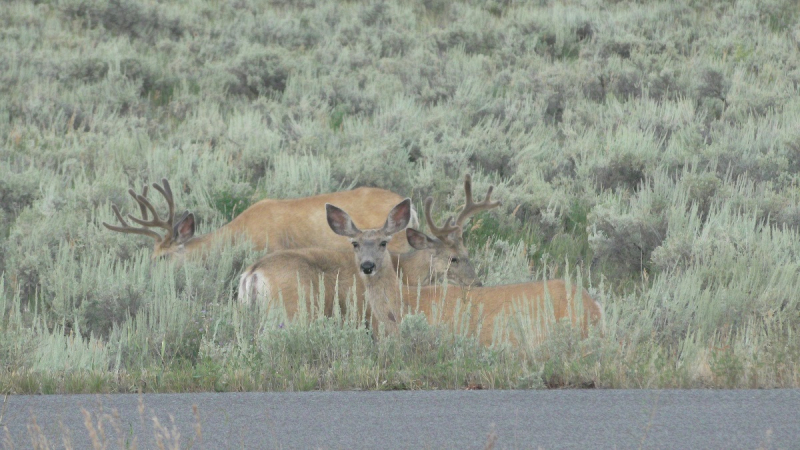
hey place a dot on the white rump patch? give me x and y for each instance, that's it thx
(253, 286)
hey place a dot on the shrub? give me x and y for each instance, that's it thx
(626, 232)
(89, 70)
(126, 17)
(18, 190)
(258, 72)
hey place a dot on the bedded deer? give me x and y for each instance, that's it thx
(389, 299)
(285, 274)
(279, 224)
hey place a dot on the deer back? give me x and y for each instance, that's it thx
(270, 224)
(301, 222)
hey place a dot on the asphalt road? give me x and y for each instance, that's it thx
(684, 419)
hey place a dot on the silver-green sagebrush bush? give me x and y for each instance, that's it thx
(649, 152)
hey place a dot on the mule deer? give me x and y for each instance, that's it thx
(285, 273)
(445, 253)
(482, 306)
(279, 224)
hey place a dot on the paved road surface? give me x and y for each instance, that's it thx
(685, 419)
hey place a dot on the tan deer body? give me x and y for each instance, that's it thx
(285, 274)
(482, 305)
(292, 275)
(301, 222)
(272, 224)
(295, 275)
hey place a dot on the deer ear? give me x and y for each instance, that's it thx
(340, 221)
(183, 230)
(419, 240)
(398, 218)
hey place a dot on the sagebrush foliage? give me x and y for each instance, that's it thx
(653, 145)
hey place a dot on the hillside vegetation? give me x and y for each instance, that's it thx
(649, 151)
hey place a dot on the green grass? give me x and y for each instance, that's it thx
(230, 205)
(652, 146)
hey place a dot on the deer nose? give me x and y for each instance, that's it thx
(367, 267)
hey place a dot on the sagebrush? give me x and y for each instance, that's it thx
(651, 147)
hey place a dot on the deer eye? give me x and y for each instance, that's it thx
(355, 244)
(383, 244)
(453, 260)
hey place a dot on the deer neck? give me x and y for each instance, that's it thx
(197, 245)
(382, 293)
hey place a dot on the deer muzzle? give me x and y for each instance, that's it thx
(367, 267)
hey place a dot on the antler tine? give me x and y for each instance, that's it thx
(142, 208)
(471, 208)
(125, 228)
(166, 191)
(439, 232)
(156, 221)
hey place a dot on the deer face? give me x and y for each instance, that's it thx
(173, 245)
(370, 249)
(449, 258)
(370, 246)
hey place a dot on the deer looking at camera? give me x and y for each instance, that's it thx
(279, 224)
(286, 273)
(389, 299)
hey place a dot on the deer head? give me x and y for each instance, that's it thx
(372, 254)
(451, 258)
(178, 231)
(373, 261)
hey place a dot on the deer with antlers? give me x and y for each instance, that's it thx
(276, 224)
(483, 306)
(286, 273)
(445, 253)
